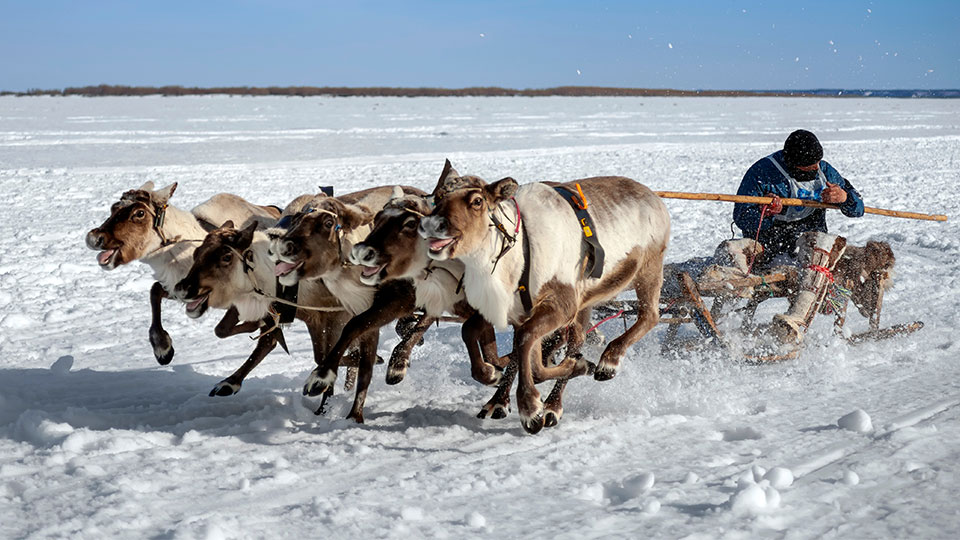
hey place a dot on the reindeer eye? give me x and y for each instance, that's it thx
(477, 203)
(139, 214)
(410, 224)
(328, 223)
(227, 258)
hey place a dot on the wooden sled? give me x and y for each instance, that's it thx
(689, 307)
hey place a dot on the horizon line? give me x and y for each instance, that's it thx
(106, 90)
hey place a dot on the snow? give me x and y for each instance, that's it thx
(857, 420)
(96, 440)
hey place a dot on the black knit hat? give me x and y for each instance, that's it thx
(802, 149)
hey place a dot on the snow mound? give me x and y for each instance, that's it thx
(858, 421)
(851, 478)
(754, 499)
(779, 477)
(629, 488)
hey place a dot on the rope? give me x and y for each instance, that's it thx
(823, 270)
(247, 270)
(614, 316)
(330, 309)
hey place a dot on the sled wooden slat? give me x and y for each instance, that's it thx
(886, 333)
(751, 281)
(701, 312)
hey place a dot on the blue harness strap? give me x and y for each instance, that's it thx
(594, 251)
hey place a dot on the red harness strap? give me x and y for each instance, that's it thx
(823, 270)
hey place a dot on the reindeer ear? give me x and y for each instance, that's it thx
(449, 181)
(396, 193)
(148, 186)
(448, 170)
(355, 215)
(245, 237)
(228, 224)
(161, 196)
(502, 189)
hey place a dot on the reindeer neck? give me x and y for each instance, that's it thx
(258, 274)
(344, 283)
(171, 262)
(492, 274)
(438, 287)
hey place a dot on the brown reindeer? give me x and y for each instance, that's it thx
(315, 248)
(144, 227)
(519, 240)
(394, 251)
(232, 268)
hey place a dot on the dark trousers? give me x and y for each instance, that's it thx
(782, 236)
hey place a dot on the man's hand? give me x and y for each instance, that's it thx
(834, 194)
(773, 207)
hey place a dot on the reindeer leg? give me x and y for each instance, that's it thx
(475, 333)
(499, 405)
(368, 352)
(159, 338)
(230, 325)
(231, 385)
(555, 309)
(647, 288)
(386, 307)
(409, 338)
(553, 405)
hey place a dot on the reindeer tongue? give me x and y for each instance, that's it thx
(438, 244)
(196, 303)
(284, 268)
(370, 270)
(104, 256)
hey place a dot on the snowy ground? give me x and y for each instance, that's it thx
(98, 441)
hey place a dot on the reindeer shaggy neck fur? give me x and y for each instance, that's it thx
(171, 263)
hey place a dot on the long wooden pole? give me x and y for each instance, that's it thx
(792, 202)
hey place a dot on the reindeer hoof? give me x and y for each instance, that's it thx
(604, 372)
(395, 375)
(534, 424)
(162, 347)
(551, 418)
(319, 382)
(358, 417)
(497, 411)
(489, 380)
(164, 358)
(224, 388)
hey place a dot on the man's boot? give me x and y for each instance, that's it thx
(819, 253)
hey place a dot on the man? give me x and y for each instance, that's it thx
(796, 172)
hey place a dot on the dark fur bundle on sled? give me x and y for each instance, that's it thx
(866, 271)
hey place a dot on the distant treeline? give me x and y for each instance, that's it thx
(305, 91)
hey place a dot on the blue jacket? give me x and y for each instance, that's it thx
(764, 177)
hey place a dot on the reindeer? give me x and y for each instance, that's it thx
(144, 226)
(395, 251)
(541, 254)
(232, 269)
(315, 248)
(394, 259)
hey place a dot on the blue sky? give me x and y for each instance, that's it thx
(536, 44)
